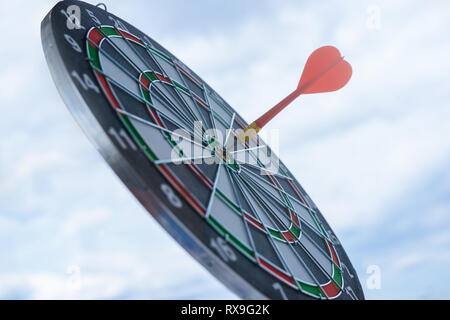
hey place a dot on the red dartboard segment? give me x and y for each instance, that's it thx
(294, 218)
(95, 37)
(333, 254)
(145, 82)
(299, 194)
(283, 276)
(288, 236)
(331, 290)
(107, 90)
(162, 78)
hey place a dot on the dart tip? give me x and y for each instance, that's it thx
(248, 133)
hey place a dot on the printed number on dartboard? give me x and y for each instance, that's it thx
(223, 249)
(171, 196)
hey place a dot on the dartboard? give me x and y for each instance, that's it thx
(172, 140)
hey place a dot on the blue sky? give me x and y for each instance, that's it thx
(374, 156)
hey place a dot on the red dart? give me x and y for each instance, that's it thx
(325, 71)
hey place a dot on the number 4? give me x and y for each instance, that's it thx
(85, 81)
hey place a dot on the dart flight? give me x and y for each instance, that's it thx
(325, 71)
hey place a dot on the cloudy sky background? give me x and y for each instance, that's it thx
(374, 156)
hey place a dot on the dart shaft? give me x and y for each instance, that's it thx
(269, 115)
(251, 130)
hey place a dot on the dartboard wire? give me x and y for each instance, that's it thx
(249, 149)
(142, 100)
(307, 252)
(179, 160)
(151, 54)
(162, 161)
(266, 231)
(132, 63)
(255, 192)
(182, 186)
(304, 233)
(186, 160)
(250, 176)
(172, 133)
(229, 129)
(313, 228)
(205, 123)
(159, 66)
(312, 213)
(275, 188)
(216, 179)
(193, 167)
(274, 246)
(274, 160)
(283, 204)
(297, 225)
(213, 191)
(195, 134)
(280, 190)
(280, 256)
(186, 124)
(193, 118)
(151, 124)
(252, 242)
(212, 113)
(118, 50)
(139, 98)
(174, 106)
(302, 194)
(325, 254)
(220, 102)
(260, 144)
(272, 173)
(265, 207)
